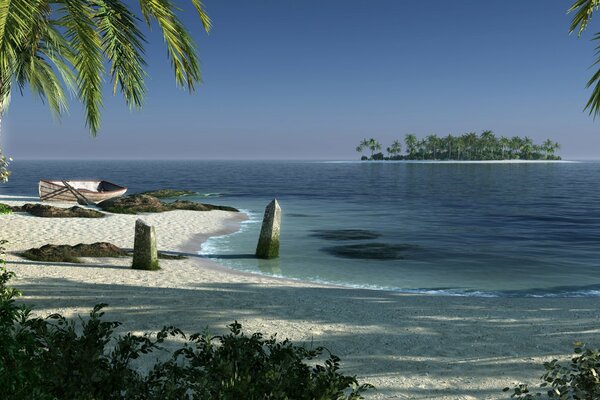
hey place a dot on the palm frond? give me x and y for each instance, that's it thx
(204, 18)
(122, 43)
(77, 19)
(593, 104)
(180, 45)
(583, 13)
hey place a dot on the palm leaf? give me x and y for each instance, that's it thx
(77, 19)
(122, 43)
(180, 46)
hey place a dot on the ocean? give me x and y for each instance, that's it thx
(460, 229)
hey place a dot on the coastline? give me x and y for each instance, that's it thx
(408, 346)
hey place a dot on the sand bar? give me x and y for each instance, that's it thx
(408, 346)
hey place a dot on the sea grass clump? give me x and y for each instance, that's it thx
(141, 203)
(5, 209)
(168, 193)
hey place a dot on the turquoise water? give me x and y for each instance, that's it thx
(442, 228)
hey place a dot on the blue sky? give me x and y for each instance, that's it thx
(308, 79)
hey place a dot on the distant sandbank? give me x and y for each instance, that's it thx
(408, 346)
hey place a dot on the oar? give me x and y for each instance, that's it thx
(78, 194)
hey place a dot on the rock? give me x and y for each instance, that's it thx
(66, 253)
(42, 210)
(165, 193)
(345, 234)
(145, 203)
(190, 205)
(371, 251)
(133, 204)
(145, 254)
(268, 242)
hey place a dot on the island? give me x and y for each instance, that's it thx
(466, 147)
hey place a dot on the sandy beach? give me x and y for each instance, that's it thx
(408, 346)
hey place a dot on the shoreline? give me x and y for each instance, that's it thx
(408, 346)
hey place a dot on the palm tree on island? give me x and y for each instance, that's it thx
(468, 146)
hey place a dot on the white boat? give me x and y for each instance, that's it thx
(86, 192)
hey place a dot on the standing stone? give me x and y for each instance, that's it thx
(145, 254)
(268, 242)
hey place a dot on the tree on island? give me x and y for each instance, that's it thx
(468, 146)
(371, 144)
(395, 149)
(53, 45)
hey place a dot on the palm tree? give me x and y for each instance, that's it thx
(411, 145)
(431, 142)
(395, 149)
(362, 146)
(373, 145)
(504, 146)
(583, 10)
(53, 45)
(549, 147)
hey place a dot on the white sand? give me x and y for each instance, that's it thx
(416, 347)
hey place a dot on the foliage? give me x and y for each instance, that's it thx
(468, 146)
(579, 380)
(4, 209)
(57, 358)
(4, 172)
(583, 10)
(51, 45)
(371, 144)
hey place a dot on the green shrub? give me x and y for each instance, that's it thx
(56, 358)
(4, 209)
(579, 380)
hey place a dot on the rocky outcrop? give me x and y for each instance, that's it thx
(66, 253)
(139, 203)
(42, 210)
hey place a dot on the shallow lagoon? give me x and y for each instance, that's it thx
(485, 229)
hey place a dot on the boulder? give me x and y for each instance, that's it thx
(66, 253)
(145, 203)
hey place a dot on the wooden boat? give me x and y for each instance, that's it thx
(86, 192)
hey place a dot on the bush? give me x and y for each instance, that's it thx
(55, 358)
(4, 209)
(579, 380)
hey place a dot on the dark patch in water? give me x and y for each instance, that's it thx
(371, 251)
(345, 234)
(300, 215)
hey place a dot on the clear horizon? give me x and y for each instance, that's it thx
(308, 81)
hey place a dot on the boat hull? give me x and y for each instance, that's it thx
(94, 191)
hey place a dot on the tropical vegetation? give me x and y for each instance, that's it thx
(469, 146)
(577, 380)
(59, 46)
(582, 13)
(57, 358)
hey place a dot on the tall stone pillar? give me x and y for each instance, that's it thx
(145, 253)
(268, 242)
